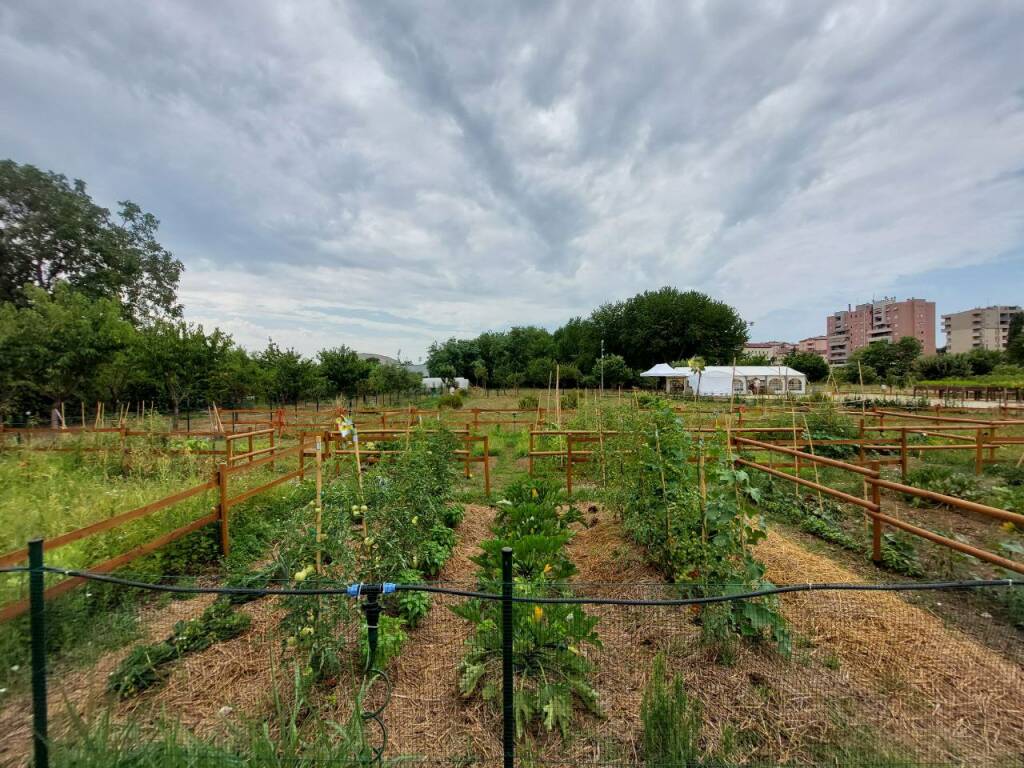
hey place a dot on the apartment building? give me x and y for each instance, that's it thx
(883, 320)
(775, 351)
(816, 344)
(978, 328)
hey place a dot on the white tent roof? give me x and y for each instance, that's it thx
(741, 370)
(662, 369)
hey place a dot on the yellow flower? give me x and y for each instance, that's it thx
(547, 569)
(1008, 527)
(306, 631)
(538, 613)
(415, 519)
(533, 492)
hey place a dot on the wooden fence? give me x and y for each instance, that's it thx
(221, 482)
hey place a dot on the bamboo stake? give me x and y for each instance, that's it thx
(319, 502)
(558, 399)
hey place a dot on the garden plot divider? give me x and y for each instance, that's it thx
(872, 503)
(220, 514)
(848, 661)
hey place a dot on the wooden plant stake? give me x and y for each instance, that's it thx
(319, 503)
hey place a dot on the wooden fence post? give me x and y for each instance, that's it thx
(903, 454)
(302, 456)
(223, 508)
(250, 446)
(876, 524)
(568, 466)
(487, 465)
(979, 450)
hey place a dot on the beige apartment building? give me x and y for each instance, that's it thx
(816, 344)
(978, 328)
(773, 350)
(884, 320)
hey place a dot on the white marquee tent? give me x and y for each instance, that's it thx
(724, 380)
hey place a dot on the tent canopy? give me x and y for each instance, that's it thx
(662, 369)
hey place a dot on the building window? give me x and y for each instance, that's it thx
(796, 385)
(775, 386)
(738, 385)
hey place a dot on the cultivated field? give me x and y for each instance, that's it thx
(670, 500)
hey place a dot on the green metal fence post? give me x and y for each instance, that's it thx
(508, 735)
(37, 619)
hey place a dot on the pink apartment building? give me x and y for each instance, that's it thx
(884, 320)
(816, 344)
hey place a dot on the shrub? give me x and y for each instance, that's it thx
(827, 423)
(570, 400)
(671, 721)
(453, 401)
(528, 402)
(900, 555)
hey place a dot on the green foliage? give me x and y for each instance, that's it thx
(390, 639)
(412, 605)
(671, 721)
(570, 401)
(900, 555)
(146, 665)
(827, 423)
(1015, 339)
(690, 518)
(549, 640)
(452, 401)
(343, 369)
(810, 364)
(817, 516)
(944, 480)
(881, 360)
(528, 402)
(53, 233)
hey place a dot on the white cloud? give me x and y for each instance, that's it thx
(383, 174)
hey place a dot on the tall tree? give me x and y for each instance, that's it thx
(51, 231)
(343, 369)
(182, 358)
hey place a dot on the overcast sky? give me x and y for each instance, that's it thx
(382, 174)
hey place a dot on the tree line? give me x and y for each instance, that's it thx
(617, 341)
(89, 312)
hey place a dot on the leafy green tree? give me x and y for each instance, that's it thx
(446, 372)
(480, 372)
(812, 365)
(1015, 339)
(982, 361)
(51, 231)
(942, 366)
(669, 324)
(887, 361)
(64, 341)
(287, 375)
(343, 369)
(540, 371)
(616, 372)
(182, 358)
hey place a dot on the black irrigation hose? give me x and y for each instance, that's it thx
(809, 587)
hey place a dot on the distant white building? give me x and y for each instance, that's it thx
(436, 384)
(725, 380)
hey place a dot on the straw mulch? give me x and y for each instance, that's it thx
(83, 691)
(426, 715)
(929, 686)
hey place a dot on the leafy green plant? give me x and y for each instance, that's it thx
(671, 721)
(146, 665)
(412, 605)
(390, 639)
(900, 555)
(569, 400)
(549, 639)
(941, 480)
(693, 521)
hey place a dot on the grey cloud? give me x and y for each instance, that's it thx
(382, 173)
